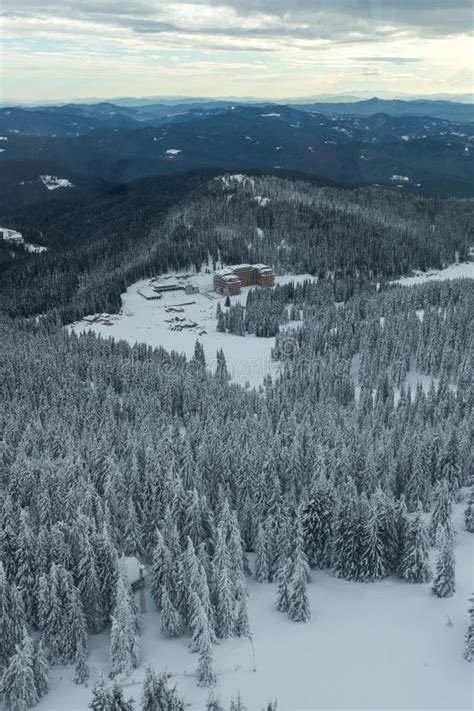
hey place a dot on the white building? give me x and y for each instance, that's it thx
(11, 236)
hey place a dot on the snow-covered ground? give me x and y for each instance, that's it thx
(52, 182)
(454, 271)
(368, 646)
(248, 358)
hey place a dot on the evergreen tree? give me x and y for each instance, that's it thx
(171, 620)
(152, 695)
(18, 686)
(117, 700)
(160, 569)
(469, 647)
(469, 512)
(242, 624)
(318, 526)
(237, 704)
(223, 593)
(40, 670)
(415, 562)
(441, 516)
(205, 673)
(283, 593)
(222, 373)
(101, 696)
(213, 703)
(373, 556)
(124, 640)
(298, 601)
(444, 579)
(221, 322)
(81, 670)
(261, 556)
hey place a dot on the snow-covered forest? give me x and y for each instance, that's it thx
(111, 451)
(97, 248)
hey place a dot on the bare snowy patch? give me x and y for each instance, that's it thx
(454, 271)
(52, 182)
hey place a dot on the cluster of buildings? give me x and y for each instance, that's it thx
(230, 280)
(11, 236)
(157, 287)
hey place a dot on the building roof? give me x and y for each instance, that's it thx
(262, 266)
(223, 272)
(230, 278)
(241, 266)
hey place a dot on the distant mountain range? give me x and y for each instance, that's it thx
(94, 146)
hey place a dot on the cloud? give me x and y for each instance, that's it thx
(388, 60)
(323, 37)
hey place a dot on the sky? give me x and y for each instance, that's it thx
(62, 49)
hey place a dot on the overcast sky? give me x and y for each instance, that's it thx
(57, 49)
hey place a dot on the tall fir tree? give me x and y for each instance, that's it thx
(469, 512)
(124, 640)
(469, 640)
(444, 578)
(18, 686)
(171, 620)
(40, 670)
(415, 562)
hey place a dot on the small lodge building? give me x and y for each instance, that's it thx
(229, 281)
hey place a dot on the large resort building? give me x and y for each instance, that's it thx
(229, 281)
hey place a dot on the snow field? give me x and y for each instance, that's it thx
(142, 321)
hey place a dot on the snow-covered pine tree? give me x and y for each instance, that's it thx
(152, 694)
(88, 586)
(199, 624)
(18, 687)
(11, 620)
(261, 556)
(318, 517)
(213, 703)
(117, 699)
(469, 640)
(469, 512)
(81, 670)
(124, 640)
(444, 578)
(160, 569)
(441, 516)
(205, 673)
(223, 594)
(101, 697)
(242, 624)
(415, 561)
(221, 373)
(373, 557)
(237, 704)
(298, 602)
(283, 590)
(40, 670)
(220, 321)
(171, 620)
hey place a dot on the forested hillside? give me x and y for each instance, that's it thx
(108, 449)
(98, 247)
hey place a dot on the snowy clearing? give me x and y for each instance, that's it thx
(387, 645)
(173, 151)
(148, 321)
(454, 271)
(52, 182)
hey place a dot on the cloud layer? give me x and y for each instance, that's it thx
(333, 42)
